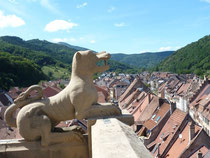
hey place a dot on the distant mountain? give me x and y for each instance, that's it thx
(144, 60)
(193, 58)
(49, 60)
(41, 52)
(72, 46)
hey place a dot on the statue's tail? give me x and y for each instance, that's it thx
(8, 115)
(22, 100)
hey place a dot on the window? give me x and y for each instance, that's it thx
(157, 119)
(153, 116)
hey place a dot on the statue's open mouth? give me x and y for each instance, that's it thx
(104, 56)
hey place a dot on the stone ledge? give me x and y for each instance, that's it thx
(113, 139)
(18, 148)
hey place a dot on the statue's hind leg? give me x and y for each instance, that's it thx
(48, 137)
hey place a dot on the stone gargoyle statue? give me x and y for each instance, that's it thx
(38, 116)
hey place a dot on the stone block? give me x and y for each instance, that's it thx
(17, 148)
(113, 139)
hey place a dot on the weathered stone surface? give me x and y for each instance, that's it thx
(15, 148)
(113, 139)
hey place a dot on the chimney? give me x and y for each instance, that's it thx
(172, 107)
(149, 98)
(158, 151)
(199, 155)
(162, 93)
(191, 131)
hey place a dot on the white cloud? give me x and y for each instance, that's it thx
(82, 5)
(169, 48)
(208, 1)
(92, 41)
(111, 9)
(119, 24)
(165, 48)
(10, 20)
(57, 25)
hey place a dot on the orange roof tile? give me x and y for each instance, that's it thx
(149, 109)
(183, 89)
(102, 89)
(203, 149)
(181, 142)
(169, 129)
(101, 97)
(150, 124)
(50, 91)
(135, 84)
(129, 99)
(140, 108)
(205, 91)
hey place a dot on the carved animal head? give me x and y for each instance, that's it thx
(84, 62)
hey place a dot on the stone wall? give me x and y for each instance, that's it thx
(110, 138)
(113, 139)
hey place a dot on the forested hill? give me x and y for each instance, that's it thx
(144, 60)
(46, 60)
(193, 58)
(72, 46)
(18, 71)
(42, 52)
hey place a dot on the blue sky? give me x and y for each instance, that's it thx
(117, 26)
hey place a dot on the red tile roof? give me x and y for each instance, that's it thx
(102, 89)
(101, 97)
(159, 113)
(150, 108)
(138, 111)
(126, 102)
(203, 149)
(183, 89)
(135, 84)
(50, 91)
(181, 142)
(169, 130)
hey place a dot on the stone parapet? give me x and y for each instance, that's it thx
(113, 139)
(17, 148)
(107, 138)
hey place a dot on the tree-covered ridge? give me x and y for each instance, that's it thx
(144, 60)
(36, 49)
(72, 46)
(18, 71)
(193, 58)
(52, 59)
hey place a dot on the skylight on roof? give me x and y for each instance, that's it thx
(157, 119)
(153, 116)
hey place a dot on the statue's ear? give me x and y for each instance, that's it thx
(78, 56)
